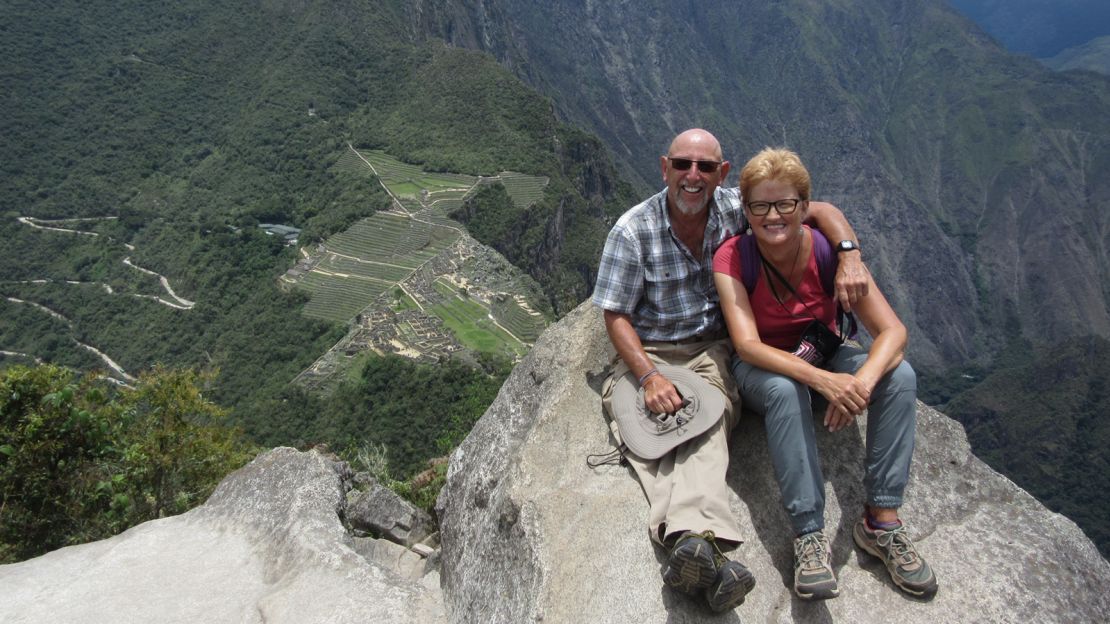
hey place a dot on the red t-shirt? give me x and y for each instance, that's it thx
(780, 324)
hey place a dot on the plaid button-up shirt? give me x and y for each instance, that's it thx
(649, 274)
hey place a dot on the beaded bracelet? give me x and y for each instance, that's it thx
(648, 375)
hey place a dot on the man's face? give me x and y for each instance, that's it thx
(689, 185)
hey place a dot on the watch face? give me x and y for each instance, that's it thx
(846, 245)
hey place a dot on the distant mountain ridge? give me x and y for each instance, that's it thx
(1040, 28)
(975, 177)
(944, 150)
(1092, 56)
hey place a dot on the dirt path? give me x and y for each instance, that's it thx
(103, 356)
(185, 303)
(182, 303)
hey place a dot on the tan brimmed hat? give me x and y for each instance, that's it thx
(649, 435)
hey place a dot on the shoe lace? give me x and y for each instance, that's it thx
(810, 551)
(709, 536)
(897, 543)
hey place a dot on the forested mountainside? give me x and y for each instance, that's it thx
(975, 177)
(944, 150)
(144, 144)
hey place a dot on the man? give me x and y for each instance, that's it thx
(655, 285)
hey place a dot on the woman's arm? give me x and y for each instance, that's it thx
(885, 354)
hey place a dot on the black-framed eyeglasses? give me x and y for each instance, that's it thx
(782, 206)
(704, 166)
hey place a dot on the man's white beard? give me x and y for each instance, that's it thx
(690, 210)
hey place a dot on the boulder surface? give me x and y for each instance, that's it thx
(268, 546)
(530, 533)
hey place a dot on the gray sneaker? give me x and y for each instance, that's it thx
(813, 573)
(907, 569)
(692, 565)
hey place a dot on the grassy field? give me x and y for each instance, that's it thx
(442, 192)
(470, 322)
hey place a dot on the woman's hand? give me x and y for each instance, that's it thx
(847, 395)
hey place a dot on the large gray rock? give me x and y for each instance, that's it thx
(268, 546)
(530, 533)
(379, 511)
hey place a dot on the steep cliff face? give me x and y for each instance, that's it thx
(974, 177)
(530, 533)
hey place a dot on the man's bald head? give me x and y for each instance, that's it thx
(695, 139)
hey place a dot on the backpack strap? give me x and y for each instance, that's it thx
(749, 262)
(827, 262)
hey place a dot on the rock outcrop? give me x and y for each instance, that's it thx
(268, 546)
(529, 533)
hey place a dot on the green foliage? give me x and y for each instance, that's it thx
(421, 489)
(192, 122)
(81, 460)
(417, 411)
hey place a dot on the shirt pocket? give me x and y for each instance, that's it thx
(666, 283)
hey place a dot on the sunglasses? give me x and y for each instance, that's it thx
(684, 164)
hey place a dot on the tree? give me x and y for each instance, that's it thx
(82, 460)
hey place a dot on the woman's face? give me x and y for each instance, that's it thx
(774, 228)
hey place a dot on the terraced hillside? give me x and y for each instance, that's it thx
(435, 194)
(414, 254)
(371, 257)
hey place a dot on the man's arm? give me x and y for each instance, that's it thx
(660, 395)
(852, 276)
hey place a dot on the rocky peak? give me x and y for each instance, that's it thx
(529, 533)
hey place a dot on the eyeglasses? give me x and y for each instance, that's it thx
(684, 164)
(782, 206)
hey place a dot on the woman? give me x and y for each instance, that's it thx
(776, 372)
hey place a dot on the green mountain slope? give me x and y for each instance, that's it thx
(181, 127)
(1044, 424)
(943, 149)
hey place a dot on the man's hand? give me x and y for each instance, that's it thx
(660, 395)
(852, 279)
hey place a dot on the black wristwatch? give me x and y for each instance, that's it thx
(846, 245)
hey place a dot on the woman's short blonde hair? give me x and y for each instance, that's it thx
(775, 164)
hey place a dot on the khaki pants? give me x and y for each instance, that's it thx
(686, 488)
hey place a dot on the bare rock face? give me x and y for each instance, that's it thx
(379, 511)
(530, 533)
(268, 546)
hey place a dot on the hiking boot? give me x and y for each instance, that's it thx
(692, 565)
(732, 584)
(813, 573)
(907, 569)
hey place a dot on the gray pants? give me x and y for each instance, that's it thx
(788, 413)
